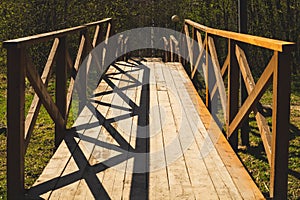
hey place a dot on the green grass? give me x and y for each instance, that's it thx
(41, 145)
(254, 158)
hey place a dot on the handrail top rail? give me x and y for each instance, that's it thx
(273, 44)
(29, 40)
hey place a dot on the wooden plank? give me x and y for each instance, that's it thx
(199, 40)
(86, 148)
(206, 75)
(199, 58)
(49, 178)
(25, 41)
(72, 80)
(171, 51)
(60, 159)
(166, 44)
(223, 71)
(220, 179)
(15, 123)
(281, 123)
(126, 192)
(203, 186)
(85, 120)
(158, 178)
(113, 178)
(60, 89)
(36, 103)
(30, 40)
(218, 76)
(175, 49)
(253, 97)
(239, 175)
(180, 186)
(272, 44)
(100, 22)
(96, 36)
(225, 65)
(250, 83)
(126, 128)
(198, 61)
(41, 91)
(108, 32)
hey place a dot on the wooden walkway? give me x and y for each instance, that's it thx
(144, 136)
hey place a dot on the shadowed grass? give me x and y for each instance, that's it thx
(255, 160)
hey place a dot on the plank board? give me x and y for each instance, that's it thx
(147, 140)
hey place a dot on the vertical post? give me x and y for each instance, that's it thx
(61, 80)
(207, 100)
(15, 122)
(233, 92)
(81, 75)
(242, 11)
(280, 125)
(101, 34)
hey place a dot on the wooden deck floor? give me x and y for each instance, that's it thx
(144, 136)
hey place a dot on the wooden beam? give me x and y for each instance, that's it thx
(206, 76)
(272, 44)
(201, 49)
(176, 48)
(225, 65)
(75, 71)
(223, 71)
(42, 92)
(253, 97)
(218, 75)
(171, 51)
(189, 46)
(233, 95)
(280, 122)
(60, 90)
(15, 122)
(36, 103)
(166, 44)
(25, 41)
(30, 40)
(103, 21)
(96, 36)
(250, 84)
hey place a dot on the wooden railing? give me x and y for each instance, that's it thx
(20, 65)
(277, 73)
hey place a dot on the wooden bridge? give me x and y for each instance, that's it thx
(145, 133)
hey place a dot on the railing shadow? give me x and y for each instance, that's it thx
(86, 171)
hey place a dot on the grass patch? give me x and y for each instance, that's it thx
(41, 146)
(255, 159)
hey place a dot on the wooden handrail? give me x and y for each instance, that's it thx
(278, 70)
(30, 40)
(276, 45)
(20, 65)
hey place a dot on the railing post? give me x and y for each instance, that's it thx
(207, 100)
(15, 122)
(242, 11)
(233, 92)
(280, 125)
(61, 96)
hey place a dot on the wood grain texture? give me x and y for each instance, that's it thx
(186, 161)
(272, 44)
